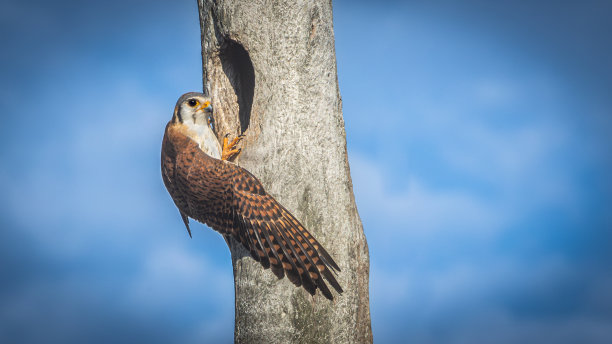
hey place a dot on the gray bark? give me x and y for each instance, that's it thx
(270, 68)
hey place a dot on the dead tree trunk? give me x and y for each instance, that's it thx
(270, 67)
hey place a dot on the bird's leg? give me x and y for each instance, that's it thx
(229, 150)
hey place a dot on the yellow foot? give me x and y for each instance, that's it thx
(229, 151)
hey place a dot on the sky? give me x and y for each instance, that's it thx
(478, 136)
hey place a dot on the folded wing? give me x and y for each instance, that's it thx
(233, 202)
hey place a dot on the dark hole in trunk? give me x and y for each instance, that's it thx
(238, 68)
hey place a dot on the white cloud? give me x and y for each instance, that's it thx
(173, 275)
(95, 173)
(472, 303)
(484, 156)
(217, 329)
(418, 210)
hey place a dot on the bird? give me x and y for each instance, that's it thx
(207, 186)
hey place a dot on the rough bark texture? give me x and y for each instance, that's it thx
(270, 68)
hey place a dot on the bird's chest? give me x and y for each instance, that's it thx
(207, 141)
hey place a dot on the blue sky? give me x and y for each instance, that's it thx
(478, 137)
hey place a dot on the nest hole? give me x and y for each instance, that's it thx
(238, 68)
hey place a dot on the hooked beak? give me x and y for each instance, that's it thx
(206, 107)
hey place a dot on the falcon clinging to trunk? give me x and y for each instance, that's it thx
(208, 188)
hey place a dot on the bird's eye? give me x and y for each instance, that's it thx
(192, 102)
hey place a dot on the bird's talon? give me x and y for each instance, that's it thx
(229, 153)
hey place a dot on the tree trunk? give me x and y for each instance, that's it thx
(270, 68)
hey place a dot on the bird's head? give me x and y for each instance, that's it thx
(194, 109)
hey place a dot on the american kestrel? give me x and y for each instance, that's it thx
(207, 187)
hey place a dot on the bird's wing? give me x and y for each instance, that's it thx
(232, 201)
(168, 176)
(272, 232)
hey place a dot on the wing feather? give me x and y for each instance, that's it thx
(314, 270)
(232, 201)
(313, 251)
(255, 240)
(302, 269)
(288, 260)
